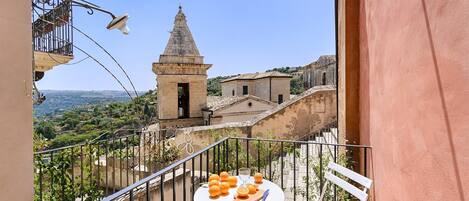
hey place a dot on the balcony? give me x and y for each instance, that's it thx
(145, 166)
(52, 34)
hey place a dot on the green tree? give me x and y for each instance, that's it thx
(296, 86)
(45, 129)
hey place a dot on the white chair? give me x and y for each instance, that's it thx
(362, 195)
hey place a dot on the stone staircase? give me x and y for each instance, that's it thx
(299, 164)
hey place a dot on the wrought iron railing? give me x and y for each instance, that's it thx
(298, 167)
(93, 170)
(52, 26)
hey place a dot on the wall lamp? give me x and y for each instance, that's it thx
(118, 22)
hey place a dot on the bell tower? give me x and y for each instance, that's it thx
(181, 79)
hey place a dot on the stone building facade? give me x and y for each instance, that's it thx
(181, 79)
(225, 109)
(321, 72)
(271, 86)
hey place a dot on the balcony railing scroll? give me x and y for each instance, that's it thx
(52, 23)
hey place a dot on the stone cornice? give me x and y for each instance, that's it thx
(180, 69)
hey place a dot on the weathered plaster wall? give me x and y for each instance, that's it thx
(280, 86)
(202, 136)
(241, 83)
(227, 89)
(414, 95)
(262, 88)
(265, 88)
(302, 116)
(241, 111)
(243, 106)
(16, 149)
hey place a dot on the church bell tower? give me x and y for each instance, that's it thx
(181, 79)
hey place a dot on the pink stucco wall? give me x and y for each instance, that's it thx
(16, 118)
(414, 97)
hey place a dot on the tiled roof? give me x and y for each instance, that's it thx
(219, 102)
(216, 102)
(254, 76)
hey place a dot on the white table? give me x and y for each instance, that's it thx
(275, 192)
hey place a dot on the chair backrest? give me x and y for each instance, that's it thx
(365, 182)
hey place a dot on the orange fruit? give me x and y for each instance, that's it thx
(258, 178)
(224, 186)
(242, 191)
(224, 176)
(232, 180)
(214, 177)
(213, 182)
(214, 191)
(252, 189)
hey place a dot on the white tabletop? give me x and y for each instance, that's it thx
(275, 192)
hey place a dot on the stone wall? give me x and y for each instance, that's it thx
(202, 136)
(300, 116)
(321, 72)
(267, 88)
(168, 95)
(280, 86)
(262, 88)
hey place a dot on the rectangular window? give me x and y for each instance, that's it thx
(183, 100)
(280, 99)
(245, 90)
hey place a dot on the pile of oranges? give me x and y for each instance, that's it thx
(219, 185)
(244, 191)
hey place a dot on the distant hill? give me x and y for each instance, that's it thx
(87, 115)
(62, 100)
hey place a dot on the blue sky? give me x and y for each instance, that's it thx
(235, 36)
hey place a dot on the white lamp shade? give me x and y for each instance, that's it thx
(120, 23)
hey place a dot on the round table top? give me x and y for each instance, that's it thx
(275, 192)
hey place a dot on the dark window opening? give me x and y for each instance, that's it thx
(280, 98)
(183, 100)
(323, 78)
(232, 92)
(250, 104)
(245, 90)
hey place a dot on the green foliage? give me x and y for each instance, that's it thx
(164, 153)
(214, 86)
(86, 123)
(59, 101)
(72, 138)
(286, 69)
(45, 129)
(54, 179)
(296, 86)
